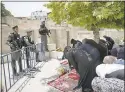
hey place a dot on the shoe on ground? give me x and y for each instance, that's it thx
(38, 61)
(87, 90)
(16, 74)
(21, 74)
(22, 71)
(29, 67)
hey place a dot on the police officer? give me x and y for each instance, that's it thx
(14, 42)
(43, 31)
(28, 43)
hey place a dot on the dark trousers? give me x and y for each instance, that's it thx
(37, 56)
(44, 41)
(27, 57)
(14, 68)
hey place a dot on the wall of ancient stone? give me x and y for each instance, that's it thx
(60, 34)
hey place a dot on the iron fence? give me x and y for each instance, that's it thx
(20, 63)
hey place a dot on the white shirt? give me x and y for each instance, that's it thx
(103, 69)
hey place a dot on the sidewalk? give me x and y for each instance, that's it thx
(38, 84)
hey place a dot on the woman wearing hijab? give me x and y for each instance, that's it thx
(84, 59)
(110, 43)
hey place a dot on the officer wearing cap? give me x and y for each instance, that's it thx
(14, 42)
(28, 43)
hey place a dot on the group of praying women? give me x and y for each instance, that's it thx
(99, 65)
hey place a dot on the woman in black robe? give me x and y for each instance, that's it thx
(75, 43)
(84, 59)
(110, 42)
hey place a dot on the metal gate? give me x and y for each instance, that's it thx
(30, 55)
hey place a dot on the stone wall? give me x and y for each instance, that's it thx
(61, 36)
(59, 33)
(6, 30)
(23, 24)
(11, 21)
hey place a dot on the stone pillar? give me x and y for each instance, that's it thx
(36, 36)
(52, 38)
(61, 38)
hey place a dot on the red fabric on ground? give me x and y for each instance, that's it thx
(73, 71)
(66, 82)
(64, 62)
(73, 76)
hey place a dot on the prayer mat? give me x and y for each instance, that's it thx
(73, 75)
(64, 84)
(64, 62)
(67, 82)
(65, 65)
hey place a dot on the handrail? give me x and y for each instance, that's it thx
(19, 50)
(26, 63)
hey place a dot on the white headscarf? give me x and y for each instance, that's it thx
(109, 59)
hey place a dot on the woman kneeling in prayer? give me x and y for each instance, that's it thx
(112, 76)
(84, 59)
(110, 80)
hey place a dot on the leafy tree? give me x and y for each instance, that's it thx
(4, 11)
(90, 15)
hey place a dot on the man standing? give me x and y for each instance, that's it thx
(14, 42)
(43, 31)
(27, 43)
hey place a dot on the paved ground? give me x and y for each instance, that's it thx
(7, 68)
(38, 84)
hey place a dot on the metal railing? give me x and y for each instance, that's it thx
(20, 63)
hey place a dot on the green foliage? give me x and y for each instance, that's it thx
(4, 12)
(90, 15)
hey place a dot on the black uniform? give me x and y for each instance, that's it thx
(43, 31)
(14, 42)
(29, 42)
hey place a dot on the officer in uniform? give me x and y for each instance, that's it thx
(14, 42)
(27, 43)
(43, 31)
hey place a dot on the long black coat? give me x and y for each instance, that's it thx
(84, 67)
(85, 59)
